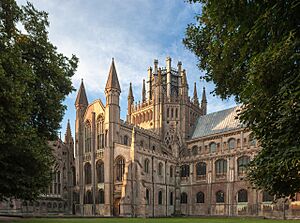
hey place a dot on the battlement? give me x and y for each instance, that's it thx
(142, 106)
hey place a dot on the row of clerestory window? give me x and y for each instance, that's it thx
(232, 143)
(220, 167)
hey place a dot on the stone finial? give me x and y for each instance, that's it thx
(144, 91)
(168, 64)
(195, 98)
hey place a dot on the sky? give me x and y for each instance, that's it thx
(134, 33)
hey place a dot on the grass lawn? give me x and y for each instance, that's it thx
(152, 220)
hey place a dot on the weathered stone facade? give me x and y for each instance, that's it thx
(169, 157)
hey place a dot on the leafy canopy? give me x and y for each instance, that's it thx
(250, 50)
(34, 81)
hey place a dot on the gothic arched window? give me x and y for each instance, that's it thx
(147, 196)
(76, 197)
(73, 175)
(160, 169)
(220, 197)
(100, 133)
(160, 197)
(87, 173)
(183, 198)
(171, 198)
(101, 196)
(171, 171)
(195, 150)
(120, 168)
(88, 197)
(231, 143)
(242, 196)
(201, 169)
(185, 170)
(242, 162)
(87, 136)
(146, 165)
(100, 171)
(212, 147)
(126, 140)
(200, 197)
(221, 167)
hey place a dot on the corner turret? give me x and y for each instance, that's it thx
(81, 99)
(130, 101)
(204, 102)
(144, 92)
(195, 98)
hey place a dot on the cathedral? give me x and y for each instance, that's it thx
(169, 157)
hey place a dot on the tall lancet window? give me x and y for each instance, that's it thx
(100, 133)
(100, 171)
(120, 168)
(87, 136)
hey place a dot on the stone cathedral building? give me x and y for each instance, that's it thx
(169, 157)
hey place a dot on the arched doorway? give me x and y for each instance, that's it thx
(117, 206)
(73, 209)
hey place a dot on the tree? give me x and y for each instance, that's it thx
(250, 50)
(34, 80)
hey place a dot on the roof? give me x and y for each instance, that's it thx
(81, 98)
(217, 122)
(112, 81)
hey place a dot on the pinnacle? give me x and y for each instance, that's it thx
(112, 81)
(81, 98)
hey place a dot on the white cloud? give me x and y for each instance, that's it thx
(134, 32)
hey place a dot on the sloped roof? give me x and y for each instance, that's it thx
(217, 122)
(81, 98)
(112, 81)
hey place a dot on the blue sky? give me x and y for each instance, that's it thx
(134, 32)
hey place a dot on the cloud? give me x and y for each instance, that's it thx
(134, 32)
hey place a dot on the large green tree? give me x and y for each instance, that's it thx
(34, 80)
(250, 50)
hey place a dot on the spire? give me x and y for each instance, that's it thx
(204, 102)
(184, 81)
(68, 134)
(130, 102)
(144, 92)
(112, 81)
(81, 99)
(196, 102)
(130, 94)
(203, 96)
(150, 83)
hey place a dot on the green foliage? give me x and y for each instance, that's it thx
(34, 80)
(251, 50)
